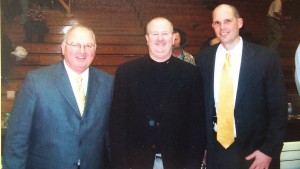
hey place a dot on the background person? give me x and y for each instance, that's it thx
(178, 47)
(297, 65)
(36, 22)
(274, 19)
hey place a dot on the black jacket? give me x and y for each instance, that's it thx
(157, 108)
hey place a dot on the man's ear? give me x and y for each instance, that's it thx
(63, 46)
(241, 22)
(147, 38)
(173, 38)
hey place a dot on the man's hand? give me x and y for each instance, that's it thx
(261, 161)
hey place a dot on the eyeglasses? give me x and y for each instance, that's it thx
(78, 46)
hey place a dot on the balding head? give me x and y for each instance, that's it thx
(160, 39)
(235, 12)
(159, 20)
(226, 23)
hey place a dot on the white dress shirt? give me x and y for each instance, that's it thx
(235, 60)
(73, 75)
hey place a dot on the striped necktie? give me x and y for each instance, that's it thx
(80, 96)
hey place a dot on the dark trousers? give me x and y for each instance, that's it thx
(274, 32)
(231, 158)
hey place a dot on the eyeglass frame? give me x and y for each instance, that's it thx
(78, 46)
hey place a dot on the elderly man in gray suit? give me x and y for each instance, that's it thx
(57, 123)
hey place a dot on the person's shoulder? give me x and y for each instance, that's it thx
(187, 54)
(259, 48)
(298, 51)
(101, 74)
(136, 61)
(208, 49)
(45, 74)
(46, 70)
(184, 66)
(133, 65)
(104, 78)
(206, 53)
(185, 71)
(261, 54)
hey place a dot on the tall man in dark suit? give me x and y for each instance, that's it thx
(259, 104)
(157, 119)
(55, 126)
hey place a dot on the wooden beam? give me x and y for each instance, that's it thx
(67, 7)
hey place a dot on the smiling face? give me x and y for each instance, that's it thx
(79, 48)
(160, 39)
(226, 24)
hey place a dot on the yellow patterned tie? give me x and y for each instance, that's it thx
(80, 96)
(225, 114)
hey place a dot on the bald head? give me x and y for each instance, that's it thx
(160, 39)
(79, 27)
(233, 9)
(79, 48)
(226, 23)
(159, 20)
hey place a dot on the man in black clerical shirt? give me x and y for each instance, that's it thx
(157, 119)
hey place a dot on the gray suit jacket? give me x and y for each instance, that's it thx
(46, 130)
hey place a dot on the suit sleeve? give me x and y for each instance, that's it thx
(277, 108)
(17, 139)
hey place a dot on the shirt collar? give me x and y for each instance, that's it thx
(73, 75)
(237, 49)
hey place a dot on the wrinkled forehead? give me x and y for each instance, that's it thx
(80, 33)
(159, 25)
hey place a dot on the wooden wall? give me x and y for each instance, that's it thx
(119, 27)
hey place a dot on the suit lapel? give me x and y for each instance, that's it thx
(93, 85)
(63, 84)
(245, 71)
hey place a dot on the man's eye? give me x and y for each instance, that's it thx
(89, 45)
(75, 45)
(227, 21)
(216, 23)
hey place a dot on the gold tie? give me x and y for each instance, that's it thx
(80, 96)
(225, 131)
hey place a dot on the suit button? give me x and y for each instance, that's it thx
(153, 146)
(81, 123)
(80, 142)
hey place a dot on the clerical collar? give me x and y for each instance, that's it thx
(160, 63)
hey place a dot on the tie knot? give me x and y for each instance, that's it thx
(78, 79)
(227, 56)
